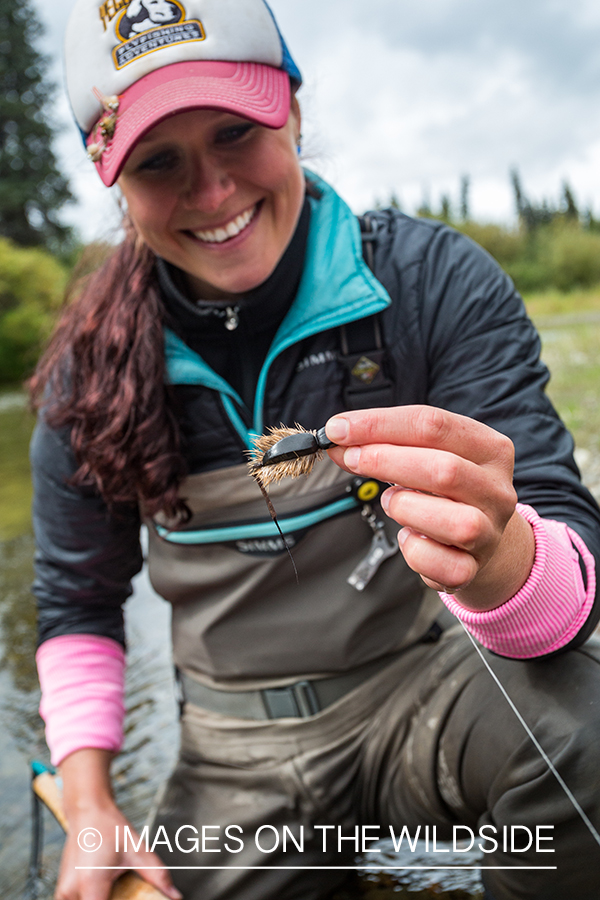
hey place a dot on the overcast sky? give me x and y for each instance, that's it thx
(406, 96)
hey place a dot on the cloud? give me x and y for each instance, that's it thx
(411, 95)
(557, 38)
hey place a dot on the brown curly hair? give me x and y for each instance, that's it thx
(103, 375)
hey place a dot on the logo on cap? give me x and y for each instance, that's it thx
(143, 26)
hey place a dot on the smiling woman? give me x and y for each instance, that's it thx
(246, 296)
(217, 196)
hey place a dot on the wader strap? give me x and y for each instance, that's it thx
(298, 701)
(362, 350)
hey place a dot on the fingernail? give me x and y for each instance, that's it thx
(337, 429)
(386, 499)
(352, 457)
(402, 536)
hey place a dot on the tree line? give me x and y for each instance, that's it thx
(553, 243)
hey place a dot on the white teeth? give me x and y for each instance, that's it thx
(233, 228)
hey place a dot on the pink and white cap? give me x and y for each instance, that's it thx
(130, 64)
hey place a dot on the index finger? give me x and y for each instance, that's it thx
(421, 426)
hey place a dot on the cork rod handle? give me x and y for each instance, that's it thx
(128, 886)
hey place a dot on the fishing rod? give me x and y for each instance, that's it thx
(46, 791)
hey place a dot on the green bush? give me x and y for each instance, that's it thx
(560, 254)
(572, 256)
(32, 284)
(529, 274)
(505, 245)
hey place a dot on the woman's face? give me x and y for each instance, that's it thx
(217, 196)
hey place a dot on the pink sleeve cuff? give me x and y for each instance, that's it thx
(552, 605)
(82, 678)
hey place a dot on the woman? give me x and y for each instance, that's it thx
(239, 299)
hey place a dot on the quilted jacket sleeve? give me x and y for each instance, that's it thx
(483, 357)
(86, 556)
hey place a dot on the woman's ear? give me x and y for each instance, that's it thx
(128, 226)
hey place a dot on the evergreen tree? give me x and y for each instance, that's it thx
(520, 201)
(394, 202)
(424, 210)
(445, 208)
(32, 190)
(531, 215)
(569, 205)
(590, 221)
(465, 187)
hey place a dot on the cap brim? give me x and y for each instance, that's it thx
(254, 91)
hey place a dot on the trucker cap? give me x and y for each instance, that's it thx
(129, 64)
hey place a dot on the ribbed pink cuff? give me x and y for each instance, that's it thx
(82, 678)
(552, 605)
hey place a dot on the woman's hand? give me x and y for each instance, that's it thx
(93, 815)
(76, 883)
(452, 493)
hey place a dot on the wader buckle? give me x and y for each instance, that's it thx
(298, 700)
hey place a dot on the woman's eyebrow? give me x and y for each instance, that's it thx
(148, 139)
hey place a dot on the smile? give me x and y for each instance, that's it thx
(229, 231)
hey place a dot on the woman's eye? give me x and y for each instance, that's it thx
(164, 161)
(233, 133)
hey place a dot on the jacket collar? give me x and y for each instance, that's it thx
(336, 287)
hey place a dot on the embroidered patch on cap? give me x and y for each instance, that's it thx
(231, 46)
(143, 26)
(365, 370)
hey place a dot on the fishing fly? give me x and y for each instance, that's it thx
(285, 452)
(104, 130)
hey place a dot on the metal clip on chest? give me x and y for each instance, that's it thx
(366, 490)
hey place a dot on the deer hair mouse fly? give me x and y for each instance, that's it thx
(285, 453)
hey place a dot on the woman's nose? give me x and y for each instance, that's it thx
(209, 185)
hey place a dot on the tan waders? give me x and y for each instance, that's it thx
(427, 741)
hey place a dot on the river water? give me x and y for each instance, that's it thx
(151, 729)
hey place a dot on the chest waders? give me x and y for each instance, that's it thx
(240, 624)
